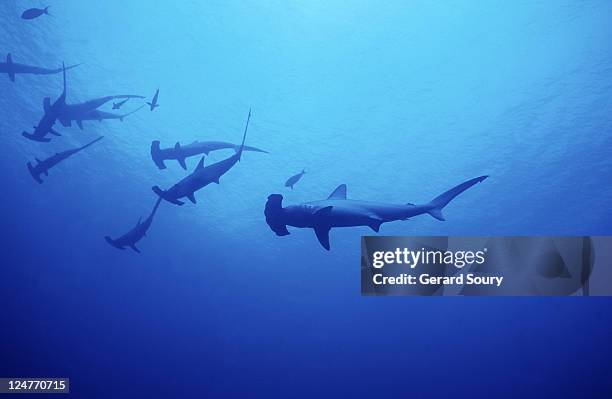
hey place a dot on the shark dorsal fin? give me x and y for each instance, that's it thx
(177, 146)
(9, 58)
(339, 192)
(200, 164)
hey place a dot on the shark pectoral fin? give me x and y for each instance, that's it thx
(322, 230)
(323, 236)
(181, 162)
(65, 122)
(134, 248)
(375, 223)
(11, 75)
(191, 197)
(338, 193)
(80, 124)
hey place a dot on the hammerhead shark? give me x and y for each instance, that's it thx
(294, 179)
(201, 176)
(337, 211)
(42, 167)
(130, 238)
(12, 68)
(153, 104)
(180, 152)
(52, 111)
(97, 115)
(79, 112)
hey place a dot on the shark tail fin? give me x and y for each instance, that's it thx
(91, 143)
(47, 10)
(244, 136)
(122, 117)
(35, 138)
(437, 204)
(35, 176)
(156, 155)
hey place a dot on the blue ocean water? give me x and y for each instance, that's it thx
(399, 100)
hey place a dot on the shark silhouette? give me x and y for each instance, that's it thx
(337, 211)
(130, 238)
(180, 152)
(52, 111)
(12, 69)
(83, 111)
(42, 167)
(201, 176)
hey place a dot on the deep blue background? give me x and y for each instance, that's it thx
(400, 101)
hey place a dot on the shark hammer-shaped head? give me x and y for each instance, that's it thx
(274, 215)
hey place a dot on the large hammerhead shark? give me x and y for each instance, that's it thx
(201, 176)
(180, 152)
(337, 211)
(130, 238)
(12, 68)
(42, 167)
(79, 112)
(52, 111)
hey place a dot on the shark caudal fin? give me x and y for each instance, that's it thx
(122, 117)
(244, 136)
(156, 155)
(91, 143)
(35, 175)
(113, 243)
(274, 215)
(164, 195)
(46, 10)
(437, 204)
(40, 139)
(249, 148)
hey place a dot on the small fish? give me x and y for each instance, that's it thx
(294, 179)
(35, 12)
(120, 104)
